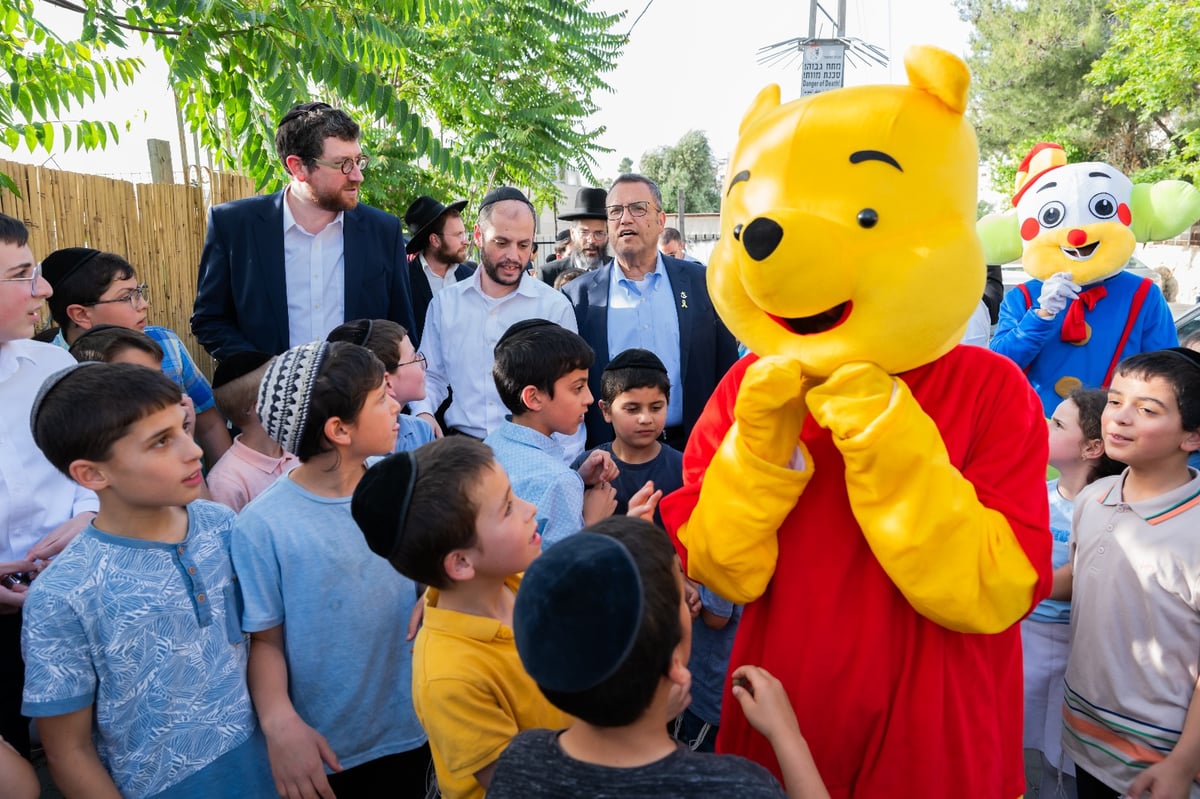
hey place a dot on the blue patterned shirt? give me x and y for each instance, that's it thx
(536, 468)
(147, 634)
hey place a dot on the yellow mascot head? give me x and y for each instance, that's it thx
(848, 223)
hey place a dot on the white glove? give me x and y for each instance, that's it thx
(1057, 291)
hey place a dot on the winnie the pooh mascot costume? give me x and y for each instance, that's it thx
(873, 492)
(1075, 228)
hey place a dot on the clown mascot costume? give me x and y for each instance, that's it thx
(872, 491)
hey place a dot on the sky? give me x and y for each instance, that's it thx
(689, 64)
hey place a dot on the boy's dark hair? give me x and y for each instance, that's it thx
(13, 231)
(536, 352)
(348, 374)
(86, 284)
(304, 129)
(1091, 403)
(633, 368)
(1178, 366)
(91, 407)
(105, 342)
(624, 696)
(443, 511)
(380, 336)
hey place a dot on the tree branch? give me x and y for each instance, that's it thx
(120, 23)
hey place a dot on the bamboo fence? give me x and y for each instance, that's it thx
(158, 227)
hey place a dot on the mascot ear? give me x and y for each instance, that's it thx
(1163, 210)
(1001, 237)
(939, 73)
(766, 100)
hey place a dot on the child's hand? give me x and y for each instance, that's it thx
(765, 702)
(597, 468)
(599, 502)
(296, 752)
(644, 502)
(1164, 780)
(189, 415)
(12, 597)
(692, 596)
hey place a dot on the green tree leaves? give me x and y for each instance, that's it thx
(688, 165)
(453, 95)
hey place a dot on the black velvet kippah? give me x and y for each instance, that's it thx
(381, 500)
(522, 326)
(504, 193)
(1191, 356)
(578, 612)
(635, 358)
(61, 264)
(238, 365)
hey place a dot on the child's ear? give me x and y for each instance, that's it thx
(677, 671)
(80, 315)
(1191, 441)
(458, 566)
(604, 410)
(532, 398)
(1093, 449)
(88, 474)
(337, 431)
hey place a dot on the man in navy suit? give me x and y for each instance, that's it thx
(644, 299)
(286, 268)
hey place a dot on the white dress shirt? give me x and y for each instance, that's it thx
(34, 496)
(436, 283)
(314, 267)
(459, 340)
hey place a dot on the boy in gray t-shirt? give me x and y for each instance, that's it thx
(623, 674)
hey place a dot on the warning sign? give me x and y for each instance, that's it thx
(824, 63)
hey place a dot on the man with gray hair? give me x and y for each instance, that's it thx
(589, 235)
(655, 302)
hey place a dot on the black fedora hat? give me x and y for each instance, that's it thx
(421, 217)
(589, 204)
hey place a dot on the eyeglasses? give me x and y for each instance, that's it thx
(141, 292)
(639, 208)
(346, 164)
(418, 359)
(32, 278)
(598, 235)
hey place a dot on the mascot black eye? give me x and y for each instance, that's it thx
(1052, 214)
(868, 218)
(737, 232)
(1103, 206)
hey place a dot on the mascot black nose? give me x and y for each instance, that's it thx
(761, 237)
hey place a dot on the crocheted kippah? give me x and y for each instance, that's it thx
(286, 391)
(578, 612)
(635, 358)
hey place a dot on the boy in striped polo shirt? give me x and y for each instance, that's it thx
(1129, 723)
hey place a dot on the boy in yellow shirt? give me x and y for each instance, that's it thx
(445, 516)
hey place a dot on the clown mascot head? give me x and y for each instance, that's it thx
(1075, 229)
(872, 491)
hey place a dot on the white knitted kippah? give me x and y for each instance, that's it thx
(286, 391)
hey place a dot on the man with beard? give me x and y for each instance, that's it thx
(437, 252)
(285, 269)
(651, 301)
(589, 235)
(466, 319)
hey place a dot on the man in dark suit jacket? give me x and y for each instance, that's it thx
(286, 268)
(437, 252)
(706, 349)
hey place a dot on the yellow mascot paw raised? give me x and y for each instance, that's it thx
(853, 397)
(770, 408)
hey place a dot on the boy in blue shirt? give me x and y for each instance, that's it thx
(135, 659)
(541, 374)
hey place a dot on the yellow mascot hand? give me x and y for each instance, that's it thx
(957, 561)
(853, 397)
(755, 477)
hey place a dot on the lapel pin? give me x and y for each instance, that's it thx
(683, 299)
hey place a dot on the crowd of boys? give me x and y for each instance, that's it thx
(362, 604)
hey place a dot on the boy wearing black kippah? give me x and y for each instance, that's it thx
(603, 629)
(635, 390)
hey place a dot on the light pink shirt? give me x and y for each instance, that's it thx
(243, 473)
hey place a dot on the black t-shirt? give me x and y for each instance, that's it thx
(534, 766)
(665, 469)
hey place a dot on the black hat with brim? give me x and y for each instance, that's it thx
(422, 216)
(589, 204)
